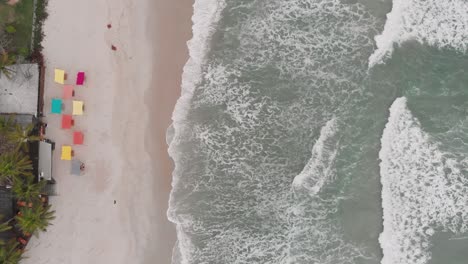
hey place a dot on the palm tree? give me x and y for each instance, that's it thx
(21, 136)
(6, 61)
(36, 218)
(12, 166)
(28, 191)
(6, 123)
(9, 253)
(4, 226)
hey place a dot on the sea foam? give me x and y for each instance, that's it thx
(423, 190)
(320, 167)
(206, 14)
(440, 23)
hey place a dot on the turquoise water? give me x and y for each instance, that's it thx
(289, 148)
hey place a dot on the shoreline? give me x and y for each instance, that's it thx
(170, 55)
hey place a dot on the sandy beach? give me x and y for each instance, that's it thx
(129, 95)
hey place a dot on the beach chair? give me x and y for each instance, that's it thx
(60, 76)
(78, 107)
(67, 153)
(56, 106)
(78, 138)
(68, 92)
(80, 78)
(67, 121)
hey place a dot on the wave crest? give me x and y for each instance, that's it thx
(422, 190)
(440, 23)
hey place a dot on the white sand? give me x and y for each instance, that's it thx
(125, 160)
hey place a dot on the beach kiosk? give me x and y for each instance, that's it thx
(56, 106)
(68, 91)
(45, 161)
(80, 78)
(66, 153)
(59, 76)
(78, 107)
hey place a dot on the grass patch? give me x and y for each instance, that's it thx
(41, 15)
(20, 18)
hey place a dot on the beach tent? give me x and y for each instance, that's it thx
(80, 78)
(66, 153)
(78, 138)
(68, 91)
(67, 121)
(76, 167)
(59, 76)
(56, 106)
(78, 107)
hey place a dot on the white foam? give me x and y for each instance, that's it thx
(441, 23)
(423, 190)
(319, 169)
(205, 17)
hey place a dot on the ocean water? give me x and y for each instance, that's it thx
(323, 131)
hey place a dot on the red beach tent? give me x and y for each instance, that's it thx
(80, 78)
(78, 138)
(67, 91)
(67, 121)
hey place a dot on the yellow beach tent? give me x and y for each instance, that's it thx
(59, 76)
(78, 107)
(66, 153)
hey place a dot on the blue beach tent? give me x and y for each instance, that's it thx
(56, 106)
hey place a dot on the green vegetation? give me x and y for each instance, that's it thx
(22, 136)
(35, 218)
(41, 15)
(9, 253)
(17, 22)
(34, 213)
(6, 60)
(28, 191)
(12, 166)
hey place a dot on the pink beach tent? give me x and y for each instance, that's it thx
(68, 91)
(80, 78)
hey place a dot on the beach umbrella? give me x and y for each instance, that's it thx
(76, 167)
(67, 121)
(56, 106)
(80, 78)
(67, 153)
(78, 138)
(78, 107)
(68, 91)
(59, 76)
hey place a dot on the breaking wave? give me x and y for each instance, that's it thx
(206, 14)
(440, 23)
(423, 190)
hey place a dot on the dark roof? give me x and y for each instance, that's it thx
(6, 211)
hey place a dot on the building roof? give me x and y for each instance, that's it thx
(19, 94)
(45, 160)
(6, 211)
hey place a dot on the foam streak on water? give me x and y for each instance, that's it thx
(319, 169)
(423, 190)
(441, 23)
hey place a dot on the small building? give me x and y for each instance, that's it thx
(45, 161)
(19, 94)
